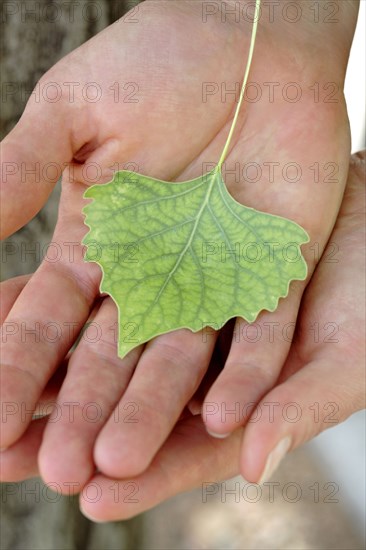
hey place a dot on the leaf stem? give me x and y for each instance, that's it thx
(246, 74)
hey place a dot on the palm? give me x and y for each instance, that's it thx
(330, 327)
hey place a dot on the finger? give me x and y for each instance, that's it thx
(310, 401)
(51, 391)
(47, 400)
(94, 383)
(41, 327)
(217, 362)
(257, 354)
(166, 377)
(188, 458)
(10, 291)
(20, 461)
(37, 150)
(195, 403)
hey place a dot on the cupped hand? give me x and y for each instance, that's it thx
(320, 385)
(169, 56)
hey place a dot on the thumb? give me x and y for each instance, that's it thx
(34, 154)
(320, 395)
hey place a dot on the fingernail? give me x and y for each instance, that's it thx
(274, 458)
(218, 436)
(194, 407)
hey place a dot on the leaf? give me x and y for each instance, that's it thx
(186, 254)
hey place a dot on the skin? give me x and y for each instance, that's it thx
(150, 133)
(315, 372)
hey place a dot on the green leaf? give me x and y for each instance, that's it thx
(186, 254)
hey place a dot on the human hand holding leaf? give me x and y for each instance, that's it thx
(168, 134)
(315, 373)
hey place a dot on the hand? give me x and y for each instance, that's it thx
(319, 372)
(169, 133)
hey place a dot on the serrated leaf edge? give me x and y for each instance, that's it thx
(217, 326)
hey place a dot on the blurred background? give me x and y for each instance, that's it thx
(330, 470)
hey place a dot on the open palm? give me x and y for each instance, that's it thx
(168, 62)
